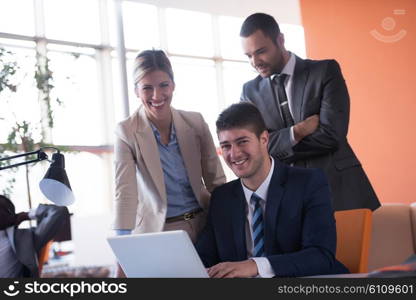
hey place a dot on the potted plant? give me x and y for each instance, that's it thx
(20, 136)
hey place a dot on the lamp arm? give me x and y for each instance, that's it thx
(19, 155)
(41, 156)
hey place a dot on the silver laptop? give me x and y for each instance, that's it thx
(162, 254)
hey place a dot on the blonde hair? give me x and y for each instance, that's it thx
(151, 60)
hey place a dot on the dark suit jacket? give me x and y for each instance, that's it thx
(318, 88)
(300, 233)
(29, 242)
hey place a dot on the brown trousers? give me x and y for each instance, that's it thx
(193, 226)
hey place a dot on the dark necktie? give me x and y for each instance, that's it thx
(282, 99)
(257, 226)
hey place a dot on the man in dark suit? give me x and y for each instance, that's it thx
(275, 220)
(19, 248)
(305, 105)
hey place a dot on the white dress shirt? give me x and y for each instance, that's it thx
(10, 267)
(263, 264)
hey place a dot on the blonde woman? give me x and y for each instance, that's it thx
(166, 163)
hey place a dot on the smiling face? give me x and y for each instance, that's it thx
(264, 55)
(155, 89)
(246, 154)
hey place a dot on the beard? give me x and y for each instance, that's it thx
(280, 63)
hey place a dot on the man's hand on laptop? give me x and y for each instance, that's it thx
(240, 269)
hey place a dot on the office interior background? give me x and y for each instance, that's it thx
(91, 44)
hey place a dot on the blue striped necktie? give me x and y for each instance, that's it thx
(257, 226)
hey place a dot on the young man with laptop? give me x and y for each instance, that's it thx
(275, 220)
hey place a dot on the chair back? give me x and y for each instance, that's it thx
(43, 256)
(392, 237)
(353, 238)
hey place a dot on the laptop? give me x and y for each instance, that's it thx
(165, 254)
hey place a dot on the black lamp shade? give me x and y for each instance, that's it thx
(55, 185)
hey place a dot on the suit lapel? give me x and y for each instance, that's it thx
(188, 145)
(274, 197)
(150, 153)
(238, 215)
(299, 83)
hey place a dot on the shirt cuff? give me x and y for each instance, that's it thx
(32, 214)
(123, 231)
(264, 267)
(292, 137)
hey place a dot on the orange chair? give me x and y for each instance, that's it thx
(393, 235)
(43, 256)
(353, 238)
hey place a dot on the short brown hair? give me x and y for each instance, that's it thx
(241, 115)
(263, 22)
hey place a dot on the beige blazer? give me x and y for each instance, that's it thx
(140, 199)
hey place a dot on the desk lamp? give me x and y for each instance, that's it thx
(55, 184)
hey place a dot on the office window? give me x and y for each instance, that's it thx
(196, 87)
(235, 75)
(20, 196)
(90, 181)
(294, 39)
(72, 20)
(140, 23)
(26, 95)
(134, 102)
(117, 93)
(189, 32)
(23, 24)
(230, 41)
(79, 120)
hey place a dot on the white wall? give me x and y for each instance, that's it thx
(284, 11)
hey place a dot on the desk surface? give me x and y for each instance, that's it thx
(351, 275)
